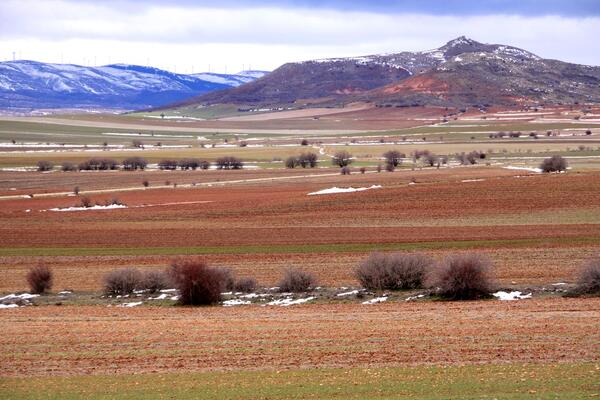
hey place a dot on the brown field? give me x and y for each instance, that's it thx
(83, 340)
(537, 228)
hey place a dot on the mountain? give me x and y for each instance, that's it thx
(460, 73)
(34, 85)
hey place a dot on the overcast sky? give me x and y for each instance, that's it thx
(229, 35)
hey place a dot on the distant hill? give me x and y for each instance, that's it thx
(33, 85)
(460, 73)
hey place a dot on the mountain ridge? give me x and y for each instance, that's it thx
(461, 72)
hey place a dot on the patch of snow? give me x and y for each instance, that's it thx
(559, 284)
(64, 292)
(472, 180)
(8, 306)
(508, 296)
(133, 304)
(343, 190)
(411, 298)
(376, 300)
(235, 302)
(289, 301)
(538, 170)
(168, 290)
(96, 207)
(23, 296)
(347, 293)
(159, 297)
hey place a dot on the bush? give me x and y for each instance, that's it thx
(85, 202)
(304, 142)
(134, 163)
(296, 281)
(342, 158)
(39, 279)
(463, 277)
(68, 167)
(198, 284)
(123, 281)
(154, 281)
(363, 170)
(393, 157)
(393, 271)
(204, 164)
(44, 165)
(589, 278)
(229, 163)
(189, 163)
(227, 277)
(554, 164)
(308, 160)
(167, 164)
(291, 162)
(345, 170)
(245, 285)
(145, 183)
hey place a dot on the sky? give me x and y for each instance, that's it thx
(227, 36)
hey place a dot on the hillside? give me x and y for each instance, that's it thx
(462, 72)
(33, 85)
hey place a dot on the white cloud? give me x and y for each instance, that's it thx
(189, 36)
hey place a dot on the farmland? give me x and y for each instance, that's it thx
(537, 229)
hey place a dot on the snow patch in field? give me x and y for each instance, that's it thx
(65, 292)
(559, 284)
(159, 297)
(96, 207)
(235, 302)
(289, 301)
(376, 300)
(507, 296)
(347, 293)
(8, 306)
(411, 298)
(24, 296)
(472, 180)
(133, 304)
(343, 190)
(538, 170)
(168, 290)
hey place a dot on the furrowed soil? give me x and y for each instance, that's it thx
(82, 340)
(537, 228)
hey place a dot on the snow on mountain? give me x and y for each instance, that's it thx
(31, 85)
(233, 80)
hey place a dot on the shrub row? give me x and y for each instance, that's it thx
(135, 163)
(304, 160)
(458, 277)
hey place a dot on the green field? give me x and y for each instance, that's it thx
(530, 381)
(299, 249)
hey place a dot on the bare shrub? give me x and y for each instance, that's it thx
(430, 159)
(169, 165)
(229, 163)
(291, 162)
(463, 277)
(154, 281)
(245, 285)
(588, 281)
(393, 271)
(294, 280)
(304, 142)
(204, 164)
(198, 284)
(145, 183)
(389, 167)
(393, 157)
(342, 158)
(363, 170)
(134, 163)
(76, 190)
(123, 281)
(40, 279)
(43, 166)
(378, 168)
(85, 202)
(227, 277)
(345, 170)
(588, 132)
(308, 160)
(137, 144)
(189, 163)
(555, 163)
(68, 167)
